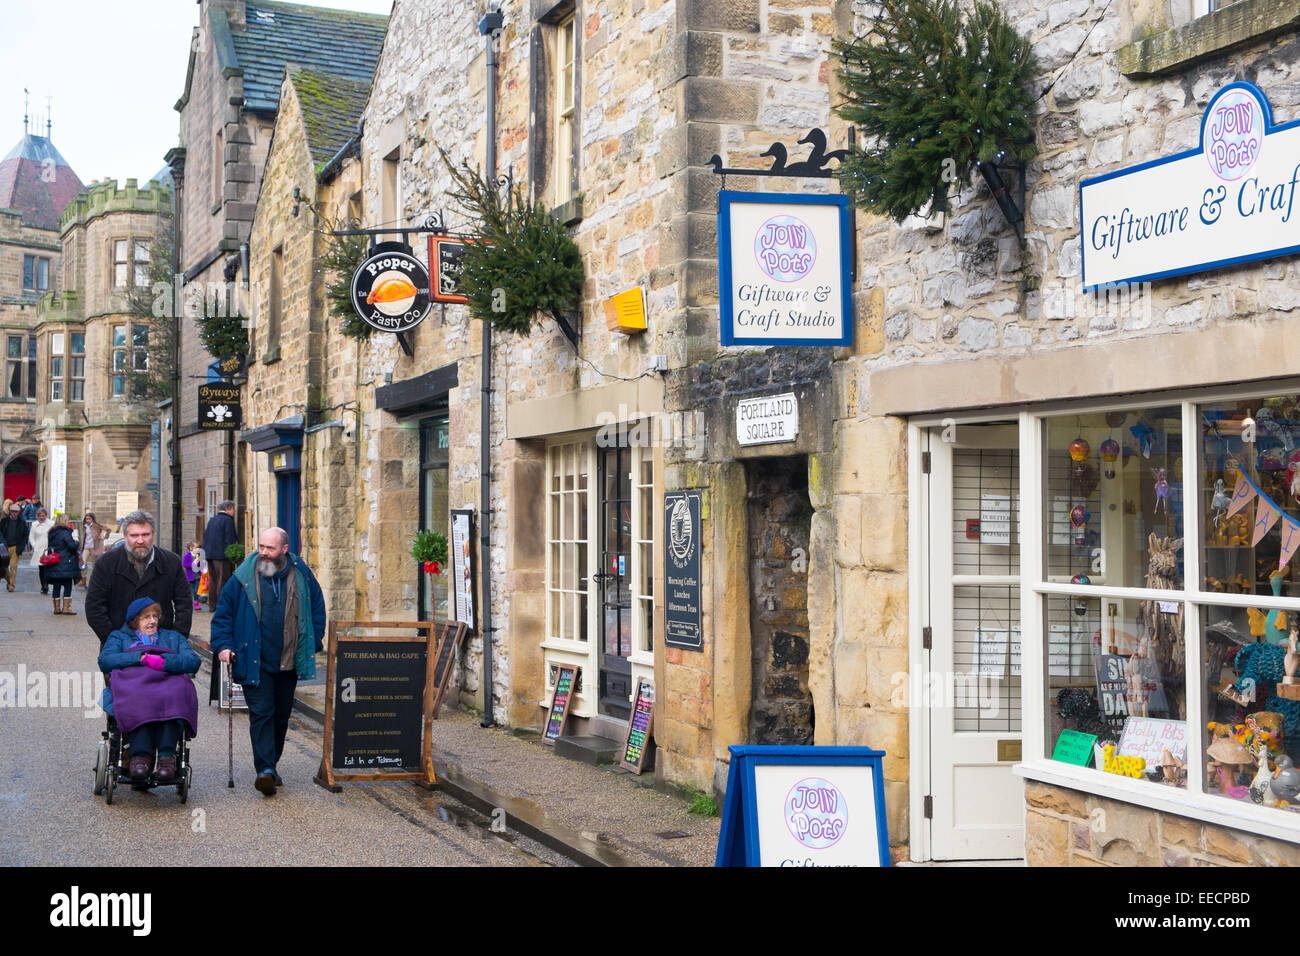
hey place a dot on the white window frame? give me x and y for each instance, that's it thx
(566, 70)
(1193, 801)
(643, 549)
(558, 649)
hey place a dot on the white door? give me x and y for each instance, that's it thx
(972, 688)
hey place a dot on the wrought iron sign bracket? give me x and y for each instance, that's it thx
(814, 167)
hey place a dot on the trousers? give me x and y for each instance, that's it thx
(269, 705)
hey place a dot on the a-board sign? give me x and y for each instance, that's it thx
(453, 632)
(1074, 747)
(804, 806)
(219, 408)
(462, 566)
(379, 703)
(636, 746)
(565, 683)
(230, 693)
(683, 532)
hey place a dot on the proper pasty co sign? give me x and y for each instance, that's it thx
(762, 421)
(783, 269)
(390, 290)
(1231, 199)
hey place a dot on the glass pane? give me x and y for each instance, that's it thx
(15, 346)
(567, 579)
(141, 361)
(119, 336)
(119, 385)
(15, 379)
(119, 275)
(570, 516)
(580, 503)
(56, 366)
(555, 515)
(581, 560)
(119, 250)
(986, 659)
(582, 631)
(42, 274)
(647, 584)
(77, 341)
(555, 602)
(29, 272)
(119, 361)
(141, 251)
(56, 343)
(56, 390)
(648, 626)
(1114, 498)
(77, 390)
(141, 335)
(78, 366)
(1116, 672)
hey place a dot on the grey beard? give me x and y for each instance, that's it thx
(269, 568)
(137, 562)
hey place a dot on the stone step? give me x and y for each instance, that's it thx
(590, 749)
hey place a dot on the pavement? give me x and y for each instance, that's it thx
(594, 816)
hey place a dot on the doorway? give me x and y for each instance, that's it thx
(970, 611)
(615, 580)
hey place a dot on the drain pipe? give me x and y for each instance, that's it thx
(490, 28)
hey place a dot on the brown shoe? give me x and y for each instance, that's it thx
(57, 608)
(166, 767)
(140, 766)
(67, 606)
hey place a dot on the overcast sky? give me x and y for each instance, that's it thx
(115, 69)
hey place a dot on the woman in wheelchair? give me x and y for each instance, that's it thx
(149, 693)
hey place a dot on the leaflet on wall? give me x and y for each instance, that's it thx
(995, 520)
(1231, 199)
(784, 269)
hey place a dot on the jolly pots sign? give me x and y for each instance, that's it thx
(390, 290)
(1231, 199)
(783, 269)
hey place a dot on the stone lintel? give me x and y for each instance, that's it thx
(1207, 36)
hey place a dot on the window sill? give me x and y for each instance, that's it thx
(271, 357)
(569, 212)
(1203, 808)
(1210, 35)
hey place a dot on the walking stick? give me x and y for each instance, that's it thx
(230, 728)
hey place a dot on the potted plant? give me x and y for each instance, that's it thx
(430, 549)
(235, 553)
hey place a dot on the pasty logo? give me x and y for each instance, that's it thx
(390, 291)
(681, 533)
(816, 813)
(1234, 135)
(785, 248)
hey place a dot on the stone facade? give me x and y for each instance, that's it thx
(107, 436)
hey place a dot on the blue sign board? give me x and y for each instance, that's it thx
(804, 806)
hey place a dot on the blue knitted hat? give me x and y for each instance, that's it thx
(135, 607)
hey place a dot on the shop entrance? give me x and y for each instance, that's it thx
(780, 524)
(971, 690)
(615, 580)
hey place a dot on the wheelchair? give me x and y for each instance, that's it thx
(113, 760)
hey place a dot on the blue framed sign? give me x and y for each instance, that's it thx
(784, 269)
(1232, 199)
(804, 806)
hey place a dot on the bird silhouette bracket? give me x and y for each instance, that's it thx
(815, 166)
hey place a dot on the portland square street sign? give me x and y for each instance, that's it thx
(390, 290)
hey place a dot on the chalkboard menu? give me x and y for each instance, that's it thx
(378, 712)
(379, 689)
(565, 682)
(682, 535)
(452, 634)
(636, 746)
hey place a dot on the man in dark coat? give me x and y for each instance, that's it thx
(138, 569)
(13, 530)
(217, 536)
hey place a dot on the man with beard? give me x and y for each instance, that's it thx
(270, 621)
(13, 531)
(138, 569)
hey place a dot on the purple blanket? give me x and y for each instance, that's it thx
(142, 695)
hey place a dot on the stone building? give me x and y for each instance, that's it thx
(99, 342)
(227, 114)
(36, 184)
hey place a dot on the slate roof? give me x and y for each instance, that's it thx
(340, 42)
(331, 107)
(37, 181)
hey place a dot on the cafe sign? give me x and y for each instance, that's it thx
(390, 289)
(784, 269)
(1232, 199)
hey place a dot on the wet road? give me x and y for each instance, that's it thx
(49, 815)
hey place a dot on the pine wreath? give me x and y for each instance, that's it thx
(935, 96)
(343, 256)
(525, 261)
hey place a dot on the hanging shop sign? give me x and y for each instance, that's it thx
(1231, 199)
(804, 806)
(390, 289)
(228, 366)
(444, 262)
(784, 269)
(683, 621)
(764, 421)
(219, 408)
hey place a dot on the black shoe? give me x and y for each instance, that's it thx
(278, 781)
(265, 784)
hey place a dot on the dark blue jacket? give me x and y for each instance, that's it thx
(219, 535)
(65, 546)
(114, 656)
(236, 624)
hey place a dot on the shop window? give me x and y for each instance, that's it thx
(36, 274)
(56, 367)
(568, 541)
(435, 513)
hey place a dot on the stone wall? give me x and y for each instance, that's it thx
(1069, 828)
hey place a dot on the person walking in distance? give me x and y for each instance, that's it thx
(269, 624)
(92, 544)
(138, 569)
(60, 576)
(217, 536)
(13, 530)
(39, 536)
(193, 562)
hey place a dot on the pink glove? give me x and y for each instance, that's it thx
(152, 660)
